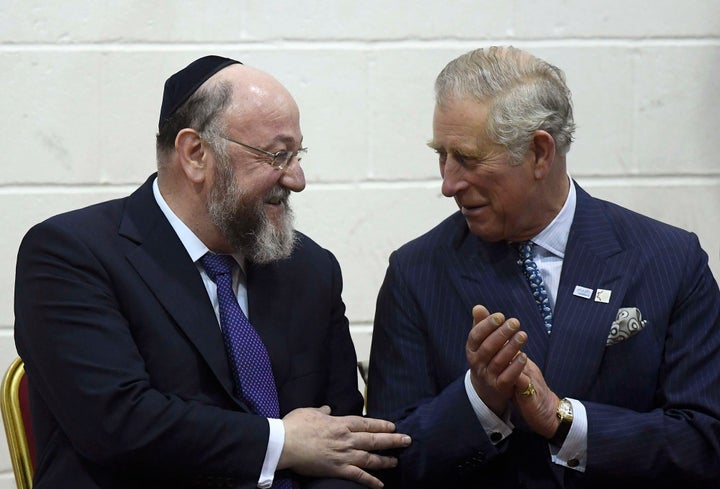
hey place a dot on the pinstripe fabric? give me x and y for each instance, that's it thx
(653, 401)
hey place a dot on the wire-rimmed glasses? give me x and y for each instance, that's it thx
(279, 160)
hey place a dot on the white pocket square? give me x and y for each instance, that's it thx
(628, 322)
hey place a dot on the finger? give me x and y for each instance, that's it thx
(483, 329)
(508, 352)
(358, 475)
(525, 388)
(370, 425)
(523, 380)
(498, 339)
(532, 369)
(512, 374)
(479, 313)
(373, 461)
(373, 442)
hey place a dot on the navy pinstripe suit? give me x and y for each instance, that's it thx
(653, 401)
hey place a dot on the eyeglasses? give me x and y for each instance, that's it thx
(280, 160)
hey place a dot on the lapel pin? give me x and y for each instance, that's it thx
(583, 292)
(603, 296)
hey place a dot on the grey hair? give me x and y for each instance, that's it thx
(523, 94)
(201, 112)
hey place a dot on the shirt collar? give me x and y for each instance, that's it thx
(193, 245)
(555, 236)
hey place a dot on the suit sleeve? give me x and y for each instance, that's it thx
(342, 394)
(449, 443)
(679, 440)
(83, 361)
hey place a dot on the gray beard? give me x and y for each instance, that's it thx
(272, 242)
(246, 226)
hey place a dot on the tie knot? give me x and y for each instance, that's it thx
(216, 265)
(525, 249)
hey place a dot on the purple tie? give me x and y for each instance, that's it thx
(249, 359)
(530, 269)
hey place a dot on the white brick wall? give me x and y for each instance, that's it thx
(82, 81)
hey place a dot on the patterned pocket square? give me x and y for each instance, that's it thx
(628, 322)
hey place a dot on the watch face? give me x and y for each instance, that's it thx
(565, 410)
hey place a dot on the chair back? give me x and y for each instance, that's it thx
(18, 428)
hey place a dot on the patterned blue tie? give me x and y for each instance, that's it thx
(249, 360)
(530, 269)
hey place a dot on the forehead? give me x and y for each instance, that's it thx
(459, 123)
(259, 101)
(267, 116)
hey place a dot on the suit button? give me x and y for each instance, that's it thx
(573, 462)
(496, 437)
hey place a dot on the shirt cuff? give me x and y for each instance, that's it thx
(496, 429)
(573, 452)
(276, 441)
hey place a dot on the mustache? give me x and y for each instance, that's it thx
(277, 195)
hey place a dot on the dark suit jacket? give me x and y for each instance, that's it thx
(653, 401)
(129, 381)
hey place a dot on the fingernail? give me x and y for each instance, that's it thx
(497, 319)
(406, 440)
(513, 324)
(522, 357)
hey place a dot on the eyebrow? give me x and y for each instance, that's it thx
(458, 151)
(433, 145)
(283, 138)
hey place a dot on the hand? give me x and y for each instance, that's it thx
(496, 362)
(538, 410)
(320, 445)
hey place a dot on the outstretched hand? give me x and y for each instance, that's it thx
(320, 445)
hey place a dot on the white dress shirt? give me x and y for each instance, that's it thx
(197, 249)
(549, 253)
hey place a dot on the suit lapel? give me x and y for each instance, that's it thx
(163, 263)
(270, 303)
(596, 260)
(487, 274)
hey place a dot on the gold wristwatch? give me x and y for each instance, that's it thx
(564, 413)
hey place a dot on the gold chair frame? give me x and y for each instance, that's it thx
(14, 425)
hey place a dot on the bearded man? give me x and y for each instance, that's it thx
(186, 335)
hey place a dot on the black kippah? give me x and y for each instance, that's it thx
(182, 84)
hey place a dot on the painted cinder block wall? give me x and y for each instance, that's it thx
(82, 82)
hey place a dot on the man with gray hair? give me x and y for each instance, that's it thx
(539, 337)
(186, 336)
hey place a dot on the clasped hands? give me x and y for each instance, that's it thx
(502, 373)
(320, 445)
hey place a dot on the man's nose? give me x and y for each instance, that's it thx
(453, 175)
(293, 177)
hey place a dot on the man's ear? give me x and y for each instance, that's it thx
(543, 150)
(192, 154)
